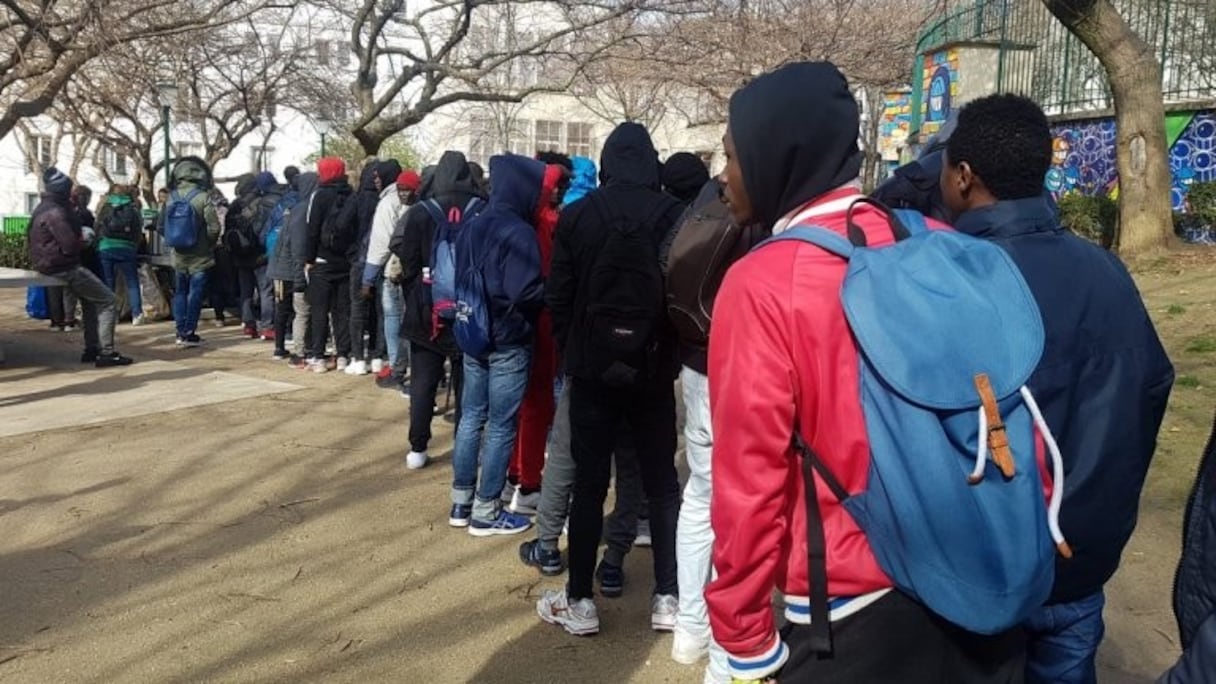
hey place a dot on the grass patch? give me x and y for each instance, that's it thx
(1202, 345)
(1176, 310)
(1188, 381)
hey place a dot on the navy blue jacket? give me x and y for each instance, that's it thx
(1102, 383)
(503, 238)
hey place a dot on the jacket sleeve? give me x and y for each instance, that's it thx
(211, 218)
(407, 243)
(315, 213)
(519, 263)
(752, 402)
(382, 233)
(561, 289)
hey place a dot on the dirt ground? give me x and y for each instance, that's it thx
(280, 538)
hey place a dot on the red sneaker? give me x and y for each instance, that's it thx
(250, 332)
(268, 335)
(385, 373)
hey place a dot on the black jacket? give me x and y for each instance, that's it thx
(322, 202)
(451, 186)
(54, 235)
(629, 171)
(1102, 382)
(366, 199)
(288, 261)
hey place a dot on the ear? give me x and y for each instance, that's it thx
(965, 179)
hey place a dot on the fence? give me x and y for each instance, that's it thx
(15, 225)
(1039, 58)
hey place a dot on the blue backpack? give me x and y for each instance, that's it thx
(948, 335)
(472, 303)
(278, 217)
(443, 254)
(182, 221)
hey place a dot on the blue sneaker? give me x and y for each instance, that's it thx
(505, 523)
(460, 515)
(548, 561)
(612, 580)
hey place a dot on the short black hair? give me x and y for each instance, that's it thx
(1007, 141)
(555, 158)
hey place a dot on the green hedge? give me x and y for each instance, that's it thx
(14, 252)
(1202, 200)
(1095, 218)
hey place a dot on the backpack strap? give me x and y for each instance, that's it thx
(816, 544)
(432, 207)
(816, 235)
(474, 203)
(913, 220)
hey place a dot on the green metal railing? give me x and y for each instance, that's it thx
(1038, 57)
(15, 225)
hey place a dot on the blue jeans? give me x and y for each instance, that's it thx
(188, 301)
(393, 304)
(1062, 642)
(127, 264)
(493, 392)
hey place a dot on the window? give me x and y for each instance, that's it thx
(31, 202)
(40, 148)
(548, 136)
(343, 54)
(578, 139)
(261, 158)
(114, 162)
(322, 48)
(519, 138)
(481, 143)
(190, 149)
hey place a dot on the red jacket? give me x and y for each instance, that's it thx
(781, 354)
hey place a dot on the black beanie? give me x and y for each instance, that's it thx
(56, 182)
(684, 174)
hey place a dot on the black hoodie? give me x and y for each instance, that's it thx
(795, 132)
(629, 171)
(451, 185)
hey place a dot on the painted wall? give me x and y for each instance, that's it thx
(1084, 155)
(941, 90)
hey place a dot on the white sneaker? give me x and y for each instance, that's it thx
(356, 367)
(688, 648)
(525, 504)
(643, 538)
(663, 610)
(317, 365)
(416, 460)
(138, 320)
(508, 493)
(579, 618)
(343, 363)
(377, 366)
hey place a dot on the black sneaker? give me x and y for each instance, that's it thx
(392, 381)
(548, 561)
(280, 354)
(89, 356)
(192, 340)
(112, 360)
(612, 580)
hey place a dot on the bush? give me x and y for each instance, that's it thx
(1202, 200)
(1094, 218)
(14, 252)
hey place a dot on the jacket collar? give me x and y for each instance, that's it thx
(831, 202)
(1010, 218)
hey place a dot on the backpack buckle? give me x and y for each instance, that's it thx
(998, 437)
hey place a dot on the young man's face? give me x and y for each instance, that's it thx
(733, 189)
(408, 197)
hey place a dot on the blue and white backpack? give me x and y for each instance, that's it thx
(443, 253)
(948, 335)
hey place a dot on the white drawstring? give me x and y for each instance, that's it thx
(981, 454)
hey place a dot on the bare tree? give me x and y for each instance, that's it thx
(619, 87)
(1145, 223)
(413, 60)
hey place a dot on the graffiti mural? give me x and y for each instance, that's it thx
(1084, 155)
(894, 126)
(940, 90)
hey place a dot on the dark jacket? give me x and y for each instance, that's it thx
(1102, 382)
(282, 265)
(503, 239)
(190, 174)
(326, 199)
(629, 171)
(451, 185)
(366, 199)
(291, 250)
(54, 236)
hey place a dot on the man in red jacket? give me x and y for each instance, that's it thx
(781, 356)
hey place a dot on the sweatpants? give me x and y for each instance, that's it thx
(536, 413)
(301, 327)
(596, 412)
(329, 297)
(426, 370)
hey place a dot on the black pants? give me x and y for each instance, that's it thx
(426, 370)
(596, 412)
(329, 296)
(222, 285)
(284, 311)
(898, 640)
(362, 316)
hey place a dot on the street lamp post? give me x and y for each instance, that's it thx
(166, 92)
(324, 126)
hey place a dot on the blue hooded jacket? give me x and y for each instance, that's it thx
(582, 180)
(1102, 382)
(503, 238)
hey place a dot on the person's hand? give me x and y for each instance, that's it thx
(366, 292)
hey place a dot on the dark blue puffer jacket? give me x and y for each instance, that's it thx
(503, 238)
(1102, 383)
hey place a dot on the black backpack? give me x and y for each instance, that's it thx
(338, 227)
(625, 300)
(124, 222)
(241, 239)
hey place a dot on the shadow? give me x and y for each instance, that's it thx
(101, 385)
(9, 505)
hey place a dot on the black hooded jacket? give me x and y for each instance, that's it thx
(451, 185)
(794, 142)
(629, 173)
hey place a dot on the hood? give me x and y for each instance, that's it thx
(452, 176)
(306, 183)
(554, 176)
(330, 169)
(265, 182)
(684, 174)
(795, 133)
(629, 158)
(246, 184)
(517, 184)
(582, 180)
(367, 177)
(192, 170)
(387, 172)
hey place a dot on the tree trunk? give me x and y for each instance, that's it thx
(370, 137)
(1145, 210)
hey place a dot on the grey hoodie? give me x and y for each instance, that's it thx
(289, 257)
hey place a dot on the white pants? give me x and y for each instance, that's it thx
(694, 535)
